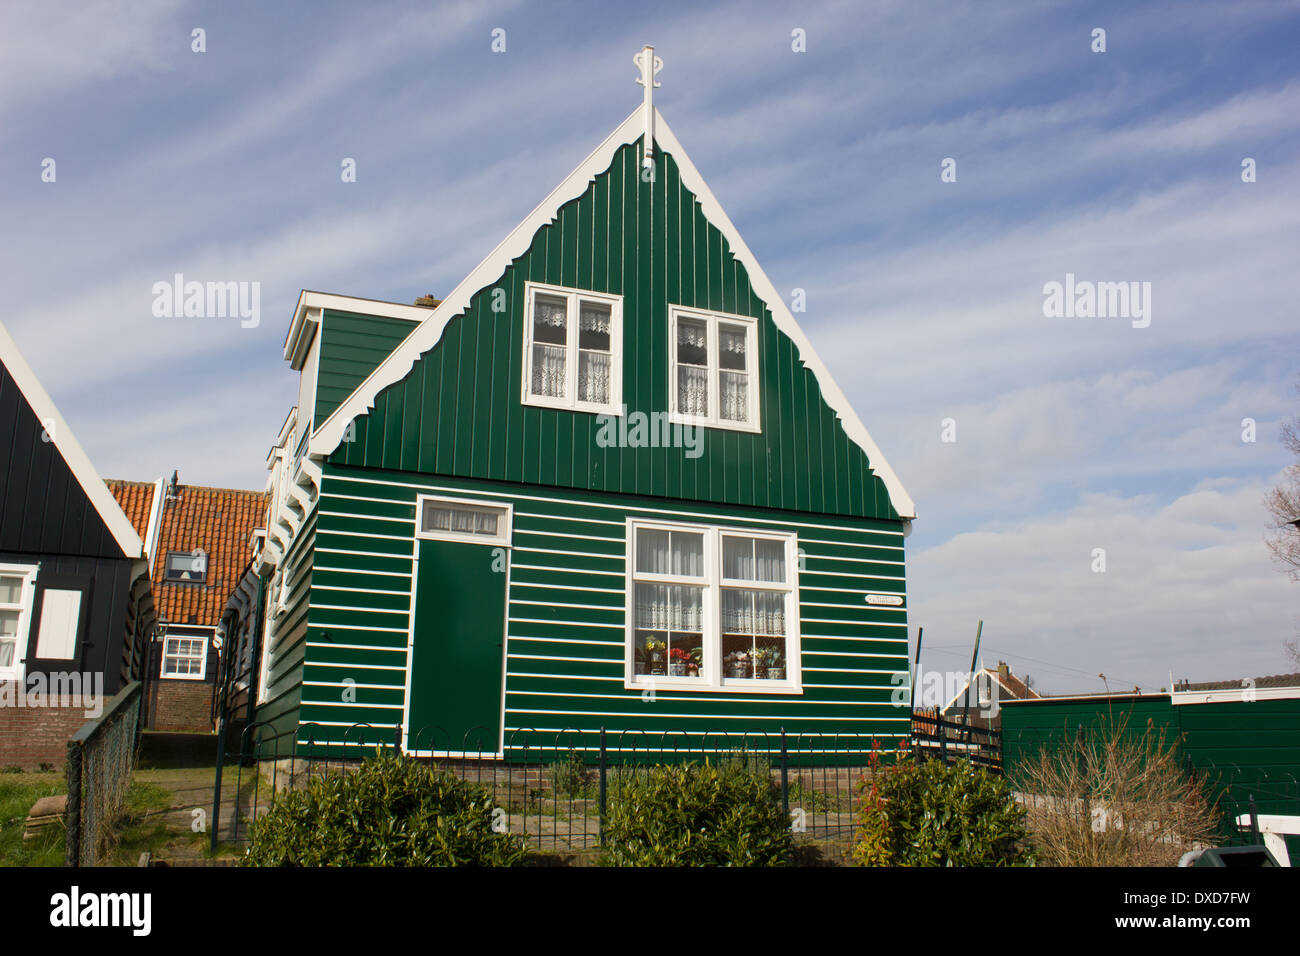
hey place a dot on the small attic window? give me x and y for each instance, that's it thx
(455, 519)
(572, 349)
(186, 567)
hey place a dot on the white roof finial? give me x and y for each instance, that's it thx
(649, 65)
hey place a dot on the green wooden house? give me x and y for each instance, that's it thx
(606, 482)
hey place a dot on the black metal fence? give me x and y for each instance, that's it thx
(101, 756)
(554, 788)
(946, 740)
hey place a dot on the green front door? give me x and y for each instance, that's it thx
(456, 662)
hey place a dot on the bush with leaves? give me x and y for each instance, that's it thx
(390, 811)
(929, 814)
(691, 814)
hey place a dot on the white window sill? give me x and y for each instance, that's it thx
(732, 686)
(722, 424)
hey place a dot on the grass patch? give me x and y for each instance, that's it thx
(18, 791)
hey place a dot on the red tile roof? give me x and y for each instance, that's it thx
(217, 520)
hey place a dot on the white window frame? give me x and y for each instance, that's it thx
(712, 678)
(570, 400)
(203, 639)
(711, 319)
(504, 528)
(28, 572)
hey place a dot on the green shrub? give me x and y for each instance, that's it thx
(692, 814)
(390, 811)
(928, 814)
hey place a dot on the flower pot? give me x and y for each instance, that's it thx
(738, 670)
(692, 670)
(657, 669)
(760, 671)
(676, 670)
(776, 673)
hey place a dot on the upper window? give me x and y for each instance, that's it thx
(714, 369)
(572, 349)
(458, 519)
(186, 567)
(15, 613)
(185, 657)
(712, 608)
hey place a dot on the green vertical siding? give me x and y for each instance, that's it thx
(352, 346)
(566, 611)
(458, 413)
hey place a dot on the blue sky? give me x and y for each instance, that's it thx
(924, 297)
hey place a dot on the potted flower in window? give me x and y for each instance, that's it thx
(738, 664)
(654, 652)
(696, 662)
(678, 658)
(775, 663)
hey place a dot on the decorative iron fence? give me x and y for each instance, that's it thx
(101, 756)
(555, 787)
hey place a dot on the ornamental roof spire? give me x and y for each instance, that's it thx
(649, 65)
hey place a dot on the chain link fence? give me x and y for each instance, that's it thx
(101, 756)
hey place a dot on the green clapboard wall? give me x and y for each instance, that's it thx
(459, 411)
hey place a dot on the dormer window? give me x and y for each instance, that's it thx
(572, 349)
(186, 567)
(714, 369)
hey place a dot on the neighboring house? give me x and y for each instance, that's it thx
(993, 687)
(197, 542)
(75, 605)
(488, 525)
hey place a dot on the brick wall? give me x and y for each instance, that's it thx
(31, 736)
(179, 705)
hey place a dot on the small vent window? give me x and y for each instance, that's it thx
(187, 567)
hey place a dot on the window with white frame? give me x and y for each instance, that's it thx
(572, 349)
(16, 587)
(185, 656)
(712, 608)
(714, 369)
(458, 519)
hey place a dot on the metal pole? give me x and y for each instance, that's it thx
(602, 786)
(72, 813)
(965, 711)
(216, 786)
(785, 778)
(916, 668)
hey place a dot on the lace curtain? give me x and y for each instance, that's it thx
(692, 335)
(692, 390)
(753, 612)
(669, 607)
(548, 370)
(550, 312)
(733, 341)
(734, 399)
(593, 377)
(460, 520)
(593, 318)
(670, 552)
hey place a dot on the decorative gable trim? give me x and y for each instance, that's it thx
(69, 448)
(399, 364)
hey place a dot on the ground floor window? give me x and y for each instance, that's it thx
(185, 656)
(16, 588)
(712, 608)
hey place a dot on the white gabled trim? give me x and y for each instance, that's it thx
(398, 365)
(65, 442)
(1227, 695)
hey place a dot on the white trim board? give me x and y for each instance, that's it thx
(425, 336)
(65, 442)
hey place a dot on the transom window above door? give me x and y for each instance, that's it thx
(713, 369)
(712, 608)
(572, 349)
(459, 519)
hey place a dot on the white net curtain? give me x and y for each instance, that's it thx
(594, 353)
(550, 338)
(733, 377)
(692, 368)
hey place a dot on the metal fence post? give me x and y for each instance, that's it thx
(602, 785)
(216, 786)
(785, 779)
(397, 740)
(1254, 820)
(72, 812)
